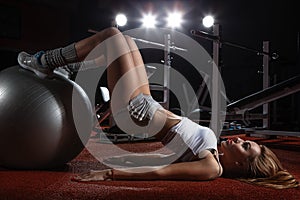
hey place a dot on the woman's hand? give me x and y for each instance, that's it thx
(95, 175)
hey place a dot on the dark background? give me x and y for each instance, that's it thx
(32, 25)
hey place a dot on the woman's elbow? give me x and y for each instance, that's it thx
(210, 175)
(213, 176)
(214, 173)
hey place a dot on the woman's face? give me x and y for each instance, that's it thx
(237, 151)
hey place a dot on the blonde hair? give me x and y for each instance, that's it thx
(266, 170)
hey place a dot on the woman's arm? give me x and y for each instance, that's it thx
(135, 160)
(205, 169)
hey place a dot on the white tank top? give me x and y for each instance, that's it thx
(198, 138)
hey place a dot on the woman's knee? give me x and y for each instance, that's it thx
(131, 43)
(111, 31)
(128, 38)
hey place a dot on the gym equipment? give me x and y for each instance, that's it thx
(217, 38)
(267, 95)
(238, 110)
(44, 123)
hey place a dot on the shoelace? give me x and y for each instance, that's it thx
(38, 56)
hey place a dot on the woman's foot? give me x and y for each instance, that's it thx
(33, 63)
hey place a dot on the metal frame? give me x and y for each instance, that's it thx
(216, 124)
(239, 109)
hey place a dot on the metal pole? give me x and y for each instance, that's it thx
(266, 83)
(216, 99)
(167, 66)
(208, 36)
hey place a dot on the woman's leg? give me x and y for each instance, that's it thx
(163, 120)
(138, 62)
(109, 42)
(127, 78)
(44, 62)
(125, 73)
(85, 46)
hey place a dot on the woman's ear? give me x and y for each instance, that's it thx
(241, 165)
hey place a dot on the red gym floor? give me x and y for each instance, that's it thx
(57, 184)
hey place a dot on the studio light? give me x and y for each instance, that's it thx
(174, 20)
(208, 21)
(121, 20)
(149, 21)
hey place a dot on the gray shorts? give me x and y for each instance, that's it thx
(137, 116)
(142, 108)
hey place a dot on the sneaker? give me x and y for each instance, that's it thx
(32, 63)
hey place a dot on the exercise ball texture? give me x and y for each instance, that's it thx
(44, 123)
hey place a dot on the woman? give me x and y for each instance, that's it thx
(196, 154)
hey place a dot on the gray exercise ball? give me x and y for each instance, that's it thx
(44, 123)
